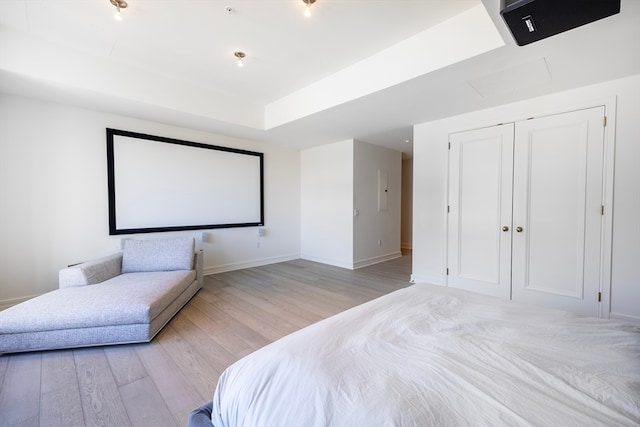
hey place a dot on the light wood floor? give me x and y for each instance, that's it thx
(159, 383)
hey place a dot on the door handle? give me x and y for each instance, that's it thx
(519, 229)
(505, 228)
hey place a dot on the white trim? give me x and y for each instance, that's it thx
(625, 318)
(328, 261)
(249, 264)
(433, 280)
(445, 230)
(610, 109)
(376, 260)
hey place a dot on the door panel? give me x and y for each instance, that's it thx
(558, 171)
(480, 188)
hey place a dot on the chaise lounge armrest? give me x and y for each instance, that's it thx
(91, 272)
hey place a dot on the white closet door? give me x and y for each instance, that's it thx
(480, 184)
(558, 178)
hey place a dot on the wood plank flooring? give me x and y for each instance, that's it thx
(159, 383)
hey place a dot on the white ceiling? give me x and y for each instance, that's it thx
(361, 69)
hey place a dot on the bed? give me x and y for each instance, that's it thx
(434, 356)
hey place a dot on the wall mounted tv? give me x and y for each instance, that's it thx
(158, 184)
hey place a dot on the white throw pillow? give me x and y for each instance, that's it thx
(158, 255)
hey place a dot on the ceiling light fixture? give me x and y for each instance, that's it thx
(240, 55)
(307, 10)
(119, 4)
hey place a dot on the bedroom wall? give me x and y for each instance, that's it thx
(430, 182)
(406, 223)
(336, 181)
(327, 203)
(376, 233)
(53, 196)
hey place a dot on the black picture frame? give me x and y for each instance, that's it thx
(234, 184)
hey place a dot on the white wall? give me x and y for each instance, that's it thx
(53, 196)
(338, 179)
(376, 234)
(406, 222)
(625, 263)
(327, 203)
(622, 98)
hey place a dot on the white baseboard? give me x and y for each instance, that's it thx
(427, 279)
(4, 304)
(328, 261)
(376, 260)
(354, 265)
(625, 318)
(248, 264)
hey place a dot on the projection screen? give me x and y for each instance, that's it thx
(160, 184)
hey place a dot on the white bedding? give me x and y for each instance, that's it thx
(433, 356)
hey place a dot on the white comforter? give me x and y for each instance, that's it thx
(432, 356)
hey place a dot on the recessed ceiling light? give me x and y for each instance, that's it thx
(307, 10)
(119, 4)
(240, 56)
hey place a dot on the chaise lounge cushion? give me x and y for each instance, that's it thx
(157, 255)
(135, 298)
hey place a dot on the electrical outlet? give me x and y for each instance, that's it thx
(379, 242)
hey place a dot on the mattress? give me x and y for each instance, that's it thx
(434, 356)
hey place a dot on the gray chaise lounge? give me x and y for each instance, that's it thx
(123, 298)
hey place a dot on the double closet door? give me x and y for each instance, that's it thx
(525, 210)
